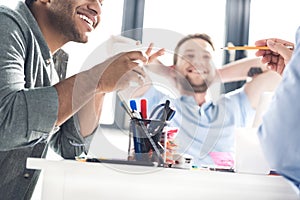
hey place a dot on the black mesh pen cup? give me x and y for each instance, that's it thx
(146, 139)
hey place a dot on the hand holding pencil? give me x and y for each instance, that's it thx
(277, 55)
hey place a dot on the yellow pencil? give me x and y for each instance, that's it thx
(250, 48)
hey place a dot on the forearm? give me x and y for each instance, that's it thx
(73, 94)
(76, 91)
(265, 82)
(238, 70)
(89, 115)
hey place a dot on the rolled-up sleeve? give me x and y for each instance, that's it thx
(68, 141)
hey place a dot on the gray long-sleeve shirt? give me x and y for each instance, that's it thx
(28, 103)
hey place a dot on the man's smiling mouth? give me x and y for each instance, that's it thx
(196, 71)
(89, 21)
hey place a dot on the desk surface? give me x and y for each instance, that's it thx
(68, 179)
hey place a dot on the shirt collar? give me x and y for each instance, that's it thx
(29, 19)
(191, 100)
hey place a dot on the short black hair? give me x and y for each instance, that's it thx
(202, 36)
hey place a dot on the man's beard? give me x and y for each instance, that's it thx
(66, 25)
(188, 85)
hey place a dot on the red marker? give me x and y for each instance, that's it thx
(144, 108)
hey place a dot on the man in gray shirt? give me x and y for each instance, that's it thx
(35, 107)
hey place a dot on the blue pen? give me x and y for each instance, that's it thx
(133, 106)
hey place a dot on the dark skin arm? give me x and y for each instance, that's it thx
(84, 93)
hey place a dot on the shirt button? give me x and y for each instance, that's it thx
(26, 175)
(48, 62)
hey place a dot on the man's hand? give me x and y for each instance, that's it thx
(153, 57)
(279, 54)
(117, 72)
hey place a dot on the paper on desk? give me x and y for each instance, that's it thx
(222, 158)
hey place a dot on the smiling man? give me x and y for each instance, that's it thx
(206, 128)
(36, 108)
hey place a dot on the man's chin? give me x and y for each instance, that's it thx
(82, 39)
(196, 88)
(200, 89)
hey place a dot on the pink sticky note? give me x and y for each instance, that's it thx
(222, 158)
(171, 132)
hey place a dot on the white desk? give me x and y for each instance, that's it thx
(68, 179)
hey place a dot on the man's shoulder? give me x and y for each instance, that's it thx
(15, 21)
(14, 13)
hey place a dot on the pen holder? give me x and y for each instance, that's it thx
(146, 137)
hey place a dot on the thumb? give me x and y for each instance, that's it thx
(281, 49)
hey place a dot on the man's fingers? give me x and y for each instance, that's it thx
(280, 48)
(266, 58)
(148, 51)
(156, 54)
(260, 53)
(136, 55)
(261, 43)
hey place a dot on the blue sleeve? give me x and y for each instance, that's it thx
(279, 133)
(239, 106)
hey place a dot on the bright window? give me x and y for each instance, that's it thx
(188, 17)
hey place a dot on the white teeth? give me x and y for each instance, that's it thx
(88, 20)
